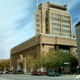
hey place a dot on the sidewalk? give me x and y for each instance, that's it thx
(3, 79)
(64, 75)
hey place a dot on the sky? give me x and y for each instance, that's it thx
(17, 21)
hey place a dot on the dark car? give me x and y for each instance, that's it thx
(18, 72)
(11, 71)
(53, 73)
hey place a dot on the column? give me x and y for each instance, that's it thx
(24, 65)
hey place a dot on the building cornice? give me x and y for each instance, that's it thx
(77, 24)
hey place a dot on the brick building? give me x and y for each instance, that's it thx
(53, 29)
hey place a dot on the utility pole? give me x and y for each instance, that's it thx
(37, 5)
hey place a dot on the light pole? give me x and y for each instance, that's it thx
(61, 70)
(77, 69)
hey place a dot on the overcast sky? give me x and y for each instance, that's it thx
(17, 21)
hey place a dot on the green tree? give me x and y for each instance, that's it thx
(5, 64)
(52, 59)
(30, 62)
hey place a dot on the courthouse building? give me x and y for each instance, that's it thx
(53, 29)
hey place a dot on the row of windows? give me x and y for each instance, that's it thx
(63, 16)
(57, 29)
(57, 24)
(64, 21)
(54, 14)
(66, 26)
(56, 34)
(56, 19)
(66, 31)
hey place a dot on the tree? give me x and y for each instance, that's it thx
(30, 62)
(57, 59)
(5, 64)
(52, 59)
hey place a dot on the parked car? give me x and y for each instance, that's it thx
(53, 73)
(5, 72)
(42, 72)
(18, 72)
(11, 71)
(39, 72)
(34, 72)
(1, 72)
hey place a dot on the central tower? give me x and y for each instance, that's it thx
(53, 19)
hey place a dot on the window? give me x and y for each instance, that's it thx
(56, 29)
(37, 20)
(38, 30)
(66, 36)
(67, 31)
(56, 34)
(65, 16)
(55, 19)
(37, 16)
(54, 14)
(66, 21)
(66, 26)
(38, 25)
(46, 24)
(46, 30)
(56, 24)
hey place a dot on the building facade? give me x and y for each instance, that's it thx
(53, 19)
(53, 30)
(78, 41)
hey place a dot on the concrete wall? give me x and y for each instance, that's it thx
(78, 41)
(37, 45)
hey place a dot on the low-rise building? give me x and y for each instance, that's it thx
(39, 44)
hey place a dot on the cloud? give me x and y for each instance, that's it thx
(15, 24)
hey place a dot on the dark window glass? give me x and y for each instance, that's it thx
(65, 16)
(66, 31)
(66, 26)
(38, 25)
(55, 19)
(56, 29)
(66, 21)
(56, 24)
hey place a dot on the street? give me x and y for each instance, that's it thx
(29, 77)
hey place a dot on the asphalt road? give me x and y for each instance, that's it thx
(29, 77)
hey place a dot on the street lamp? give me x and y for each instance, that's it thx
(77, 69)
(61, 70)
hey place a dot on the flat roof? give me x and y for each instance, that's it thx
(77, 24)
